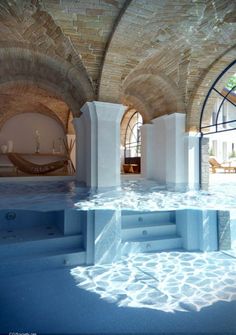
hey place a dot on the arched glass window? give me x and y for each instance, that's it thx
(219, 112)
(133, 136)
(218, 119)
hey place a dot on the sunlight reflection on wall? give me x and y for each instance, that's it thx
(167, 281)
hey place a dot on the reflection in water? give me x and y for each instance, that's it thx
(147, 195)
(140, 194)
(167, 281)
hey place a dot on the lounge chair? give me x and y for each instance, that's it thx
(216, 165)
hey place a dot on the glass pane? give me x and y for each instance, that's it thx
(133, 136)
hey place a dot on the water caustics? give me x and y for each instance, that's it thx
(146, 195)
(166, 281)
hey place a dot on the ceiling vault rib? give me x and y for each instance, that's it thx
(116, 23)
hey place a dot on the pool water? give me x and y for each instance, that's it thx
(170, 281)
(167, 281)
(142, 195)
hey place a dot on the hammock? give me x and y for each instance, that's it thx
(32, 168)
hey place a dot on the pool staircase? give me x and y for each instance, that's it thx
(33, 240)
(149, 231)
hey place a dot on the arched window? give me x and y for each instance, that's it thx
(133, 136)
(219, 112)
(218, 115)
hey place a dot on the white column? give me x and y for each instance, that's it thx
(204, 163)
(159, 153)
(153, 150)
(165, 159)
(98, 144)
(81, 158)
(176, 176)
(192, 163)
(147, 165)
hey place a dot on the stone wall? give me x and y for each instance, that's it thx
(204, 163)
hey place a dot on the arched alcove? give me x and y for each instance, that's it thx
(21, 130)
(35, 83)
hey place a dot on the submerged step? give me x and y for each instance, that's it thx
(29, 263)
(136, 224)
(31, 233)
(160, 217)
(39, 247)
(152, 244)
(131, 232)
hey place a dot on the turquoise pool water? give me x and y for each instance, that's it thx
(172, 281)
(167, 281)
(133, 195)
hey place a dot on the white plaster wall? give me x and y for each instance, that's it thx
(81, 143)
(21, 130)
(175, 149)
(164, 151)
(147, 165)
(159, 149)
(122, 157)
(192, 159)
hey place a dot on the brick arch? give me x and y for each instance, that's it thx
(19, 96)
(158, 93)
(202, 88)
(134, 102)
(34, 49)
(45, 111)
(58, 77)
(24, 24)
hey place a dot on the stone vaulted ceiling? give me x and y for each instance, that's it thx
(153, 55)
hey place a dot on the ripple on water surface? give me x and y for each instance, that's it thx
(134, 195)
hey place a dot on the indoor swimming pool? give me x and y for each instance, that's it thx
(139, 247)
(68, 224)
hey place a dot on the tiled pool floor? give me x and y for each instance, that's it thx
(166, 281)
(168, 293)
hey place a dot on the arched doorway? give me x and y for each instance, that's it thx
(131, 141)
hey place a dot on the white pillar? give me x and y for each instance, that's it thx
(156, 142)
(192, 163)
(98, 144)
(81, 158)
(176, 176)
(165, 159)
(147, 151)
